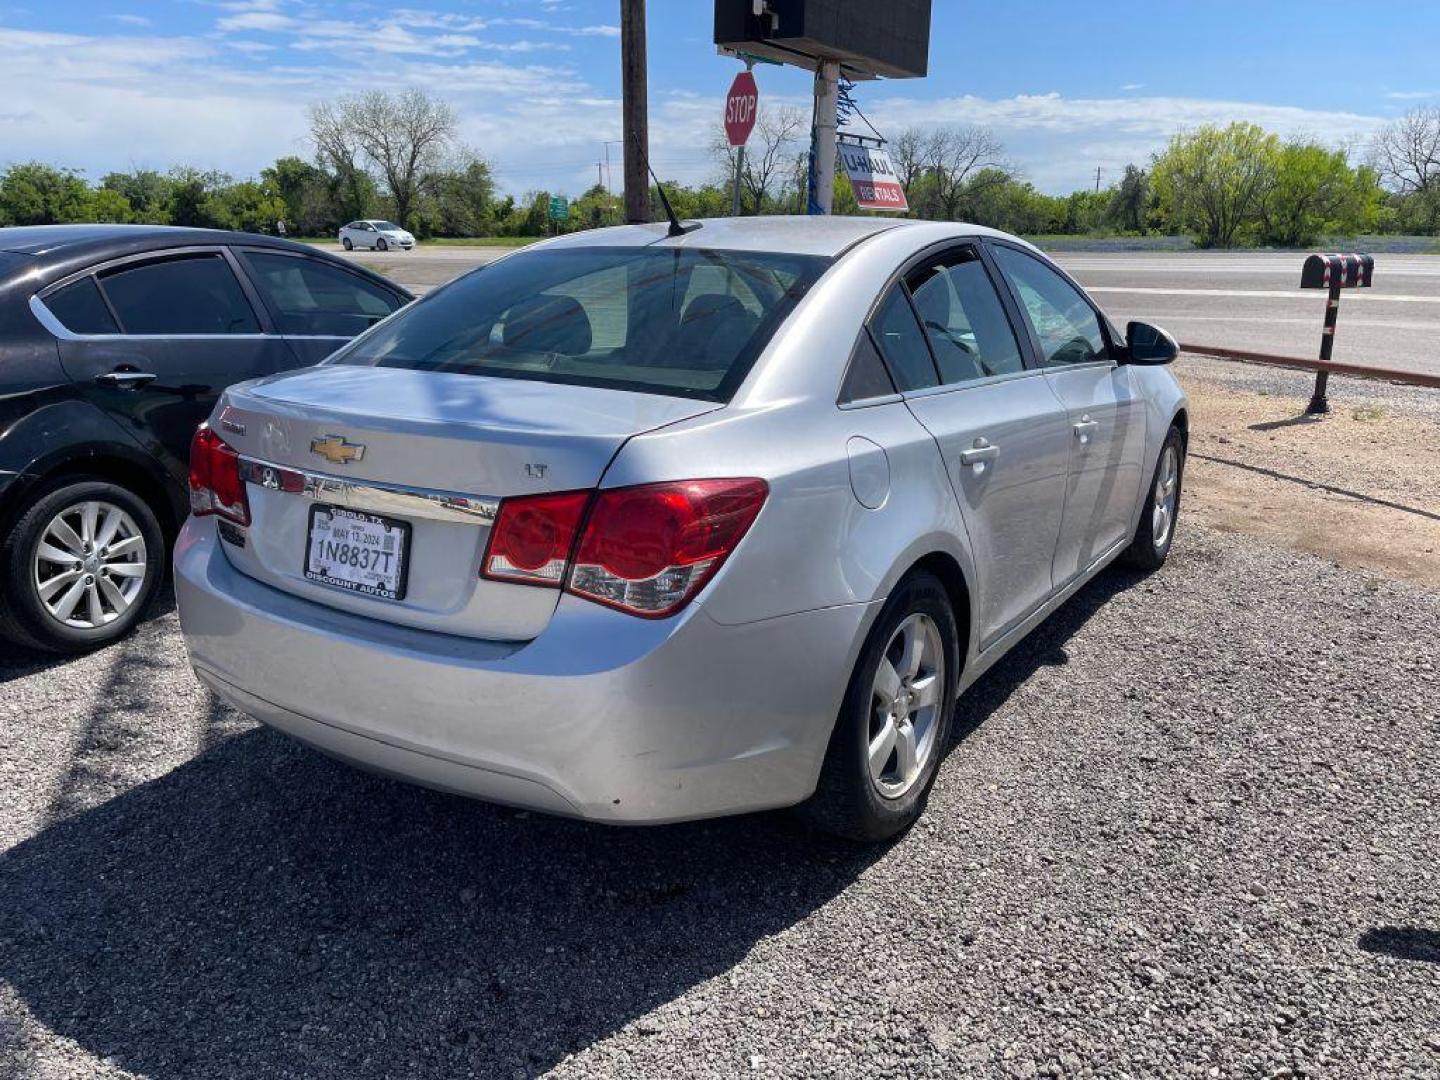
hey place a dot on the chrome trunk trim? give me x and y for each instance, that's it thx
(388, 499)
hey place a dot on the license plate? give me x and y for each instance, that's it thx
(359, 552)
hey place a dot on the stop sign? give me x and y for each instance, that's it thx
(741, 105)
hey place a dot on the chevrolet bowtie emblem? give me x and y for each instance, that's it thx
(337, 449)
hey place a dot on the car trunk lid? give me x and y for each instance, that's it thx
(428, 454)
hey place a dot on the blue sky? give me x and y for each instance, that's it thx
(105, 84)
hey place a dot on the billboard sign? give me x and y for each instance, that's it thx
(873, 178)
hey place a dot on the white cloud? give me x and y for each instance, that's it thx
(105, 102)
(257, 20)
(1412, 95)
(1059, 141)
(130, 20)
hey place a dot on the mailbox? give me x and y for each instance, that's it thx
(1337, 271)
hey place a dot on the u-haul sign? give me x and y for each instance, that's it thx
(873, 177)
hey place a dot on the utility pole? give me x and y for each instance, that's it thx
(827, 120)
(1097, 179)
(635, 110)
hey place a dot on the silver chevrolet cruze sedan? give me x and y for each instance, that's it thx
(643, 527)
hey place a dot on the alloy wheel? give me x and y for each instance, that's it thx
(905, 703)
(90, 564)
(1167, 491)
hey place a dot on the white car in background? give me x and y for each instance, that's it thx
(375, 233)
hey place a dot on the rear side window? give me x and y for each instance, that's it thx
(188, 294)
(964, 319)
(685, 322)
(866, 377)
(81, 309)
(1062, 319)
(903, 343)
(311, 297)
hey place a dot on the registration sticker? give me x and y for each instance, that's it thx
(358, 552)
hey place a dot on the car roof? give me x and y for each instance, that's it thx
(827, 236)
(50, 252)
(48, 239)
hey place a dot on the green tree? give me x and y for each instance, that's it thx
(109, 205)
(309, 194)
(1210, 181)
(34, 193)
(1131, 201)
(1314, 191)
(193, 197)
(456, 200)
(146, 191)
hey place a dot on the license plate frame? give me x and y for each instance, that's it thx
(359, 588)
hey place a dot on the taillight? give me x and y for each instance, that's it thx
(645, 550)
(216, 486)
(531, 539)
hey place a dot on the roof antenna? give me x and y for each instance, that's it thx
(676, 228)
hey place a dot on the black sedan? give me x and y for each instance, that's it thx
(115, 341)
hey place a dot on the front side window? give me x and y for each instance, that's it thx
(81, 309)
(311, 297)
(1063, 321)
(186, 294)
(670, 321)
(964, 319)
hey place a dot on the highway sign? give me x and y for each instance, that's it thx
(741, 105)
(559, 208)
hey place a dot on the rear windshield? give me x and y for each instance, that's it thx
(667, 321)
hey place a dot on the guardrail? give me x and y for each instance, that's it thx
(1361, 371)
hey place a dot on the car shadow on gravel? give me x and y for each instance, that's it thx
(18, 661)
(262, 910)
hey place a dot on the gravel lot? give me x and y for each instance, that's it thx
(1189, 829)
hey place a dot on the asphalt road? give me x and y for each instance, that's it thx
(1187, 829)
(1241, 301)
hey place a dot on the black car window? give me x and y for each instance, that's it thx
(1062, 319)
(186, 294)
(81, 309)
(866, 376)
(903, 343)
(597, 316)
(966, 323)
(311, 297)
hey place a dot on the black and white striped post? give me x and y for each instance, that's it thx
(1333, 272)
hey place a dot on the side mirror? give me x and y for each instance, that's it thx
(1146, 344)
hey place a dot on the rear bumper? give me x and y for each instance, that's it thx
(602, 716)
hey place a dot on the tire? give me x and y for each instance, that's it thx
(850, 800)
(1155, 534)
(109, 582)
(381, 245)
(346, 243)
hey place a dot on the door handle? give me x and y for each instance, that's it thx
(1085, 428)
(982, 452)
(125, 380)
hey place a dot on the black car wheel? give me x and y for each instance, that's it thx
(80, 566)
(381, 245)
(346, 244)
